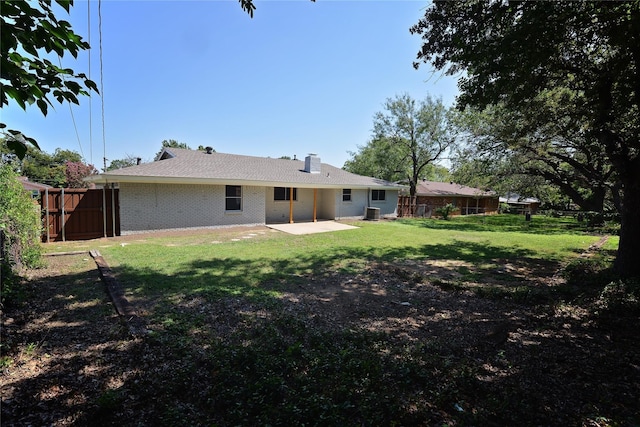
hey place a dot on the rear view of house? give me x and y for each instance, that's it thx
(189, 189)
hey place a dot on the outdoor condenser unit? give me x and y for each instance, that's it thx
(373, 214)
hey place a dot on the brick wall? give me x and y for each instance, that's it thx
(146, 207)
(361, 199)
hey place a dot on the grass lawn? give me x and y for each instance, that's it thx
(405, 322)
(191, 265)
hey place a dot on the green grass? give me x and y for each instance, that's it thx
(230, 352)
(177, 265)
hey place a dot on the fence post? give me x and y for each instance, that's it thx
(64, 239)
(46, 195)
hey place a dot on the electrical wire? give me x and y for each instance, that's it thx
(104, 140)
(73, 119)
(90, 109)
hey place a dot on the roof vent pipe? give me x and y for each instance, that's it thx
(209, 150)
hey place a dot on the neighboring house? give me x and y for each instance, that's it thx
(519, 204)
(432, 195)
(32, 187)
(187, 189)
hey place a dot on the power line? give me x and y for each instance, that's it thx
(90, 109)
(104, 141)
(73, 119)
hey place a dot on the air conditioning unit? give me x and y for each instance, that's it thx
(373, 214)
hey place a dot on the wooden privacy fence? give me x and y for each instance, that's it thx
(79, 213)
(406, 206)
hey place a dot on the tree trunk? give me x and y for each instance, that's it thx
(627, 263)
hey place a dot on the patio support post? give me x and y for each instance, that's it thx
(315, 198)
(291, 205)
(113, 209)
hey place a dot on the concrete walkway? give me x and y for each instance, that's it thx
(311, 227)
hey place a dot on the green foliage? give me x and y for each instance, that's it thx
(29, 30)
(409, 136)
(571, 80)
(172, 143)
(379, 158)
(620, 298)
(123, 163)
(535, 152)
(446, 211)
(20, 223)
(40, 166)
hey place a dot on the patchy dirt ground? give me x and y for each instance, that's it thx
(65, 350)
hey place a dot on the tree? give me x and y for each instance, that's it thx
(75, 173)
(45, 168)
(172, 143)
(381, 159)
(123, 163)
(527, 152)
(28, 30)
(410, 136)
(512, 53)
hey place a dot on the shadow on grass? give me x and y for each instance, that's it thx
(226, 349)
(233, 277)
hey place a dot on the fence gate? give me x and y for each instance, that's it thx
(79, 213)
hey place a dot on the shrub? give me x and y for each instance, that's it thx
(446, 211)
(20, 225)
(621, 297)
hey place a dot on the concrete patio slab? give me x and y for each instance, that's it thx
(311, 227)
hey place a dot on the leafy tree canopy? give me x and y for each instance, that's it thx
(28, 32)
(123, 163)
(75, 172)
(585, 53)
(40, 166)
(409, 136)
(526, 153)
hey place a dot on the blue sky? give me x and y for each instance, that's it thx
(298, 78)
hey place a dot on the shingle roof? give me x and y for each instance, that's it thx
(431, 188)
(31, 186)
(191, 166)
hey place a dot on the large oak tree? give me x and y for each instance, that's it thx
(511, 53)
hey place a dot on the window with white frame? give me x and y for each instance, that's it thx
(233, 198)
(346, 194)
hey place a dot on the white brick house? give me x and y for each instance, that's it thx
(188, 189)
